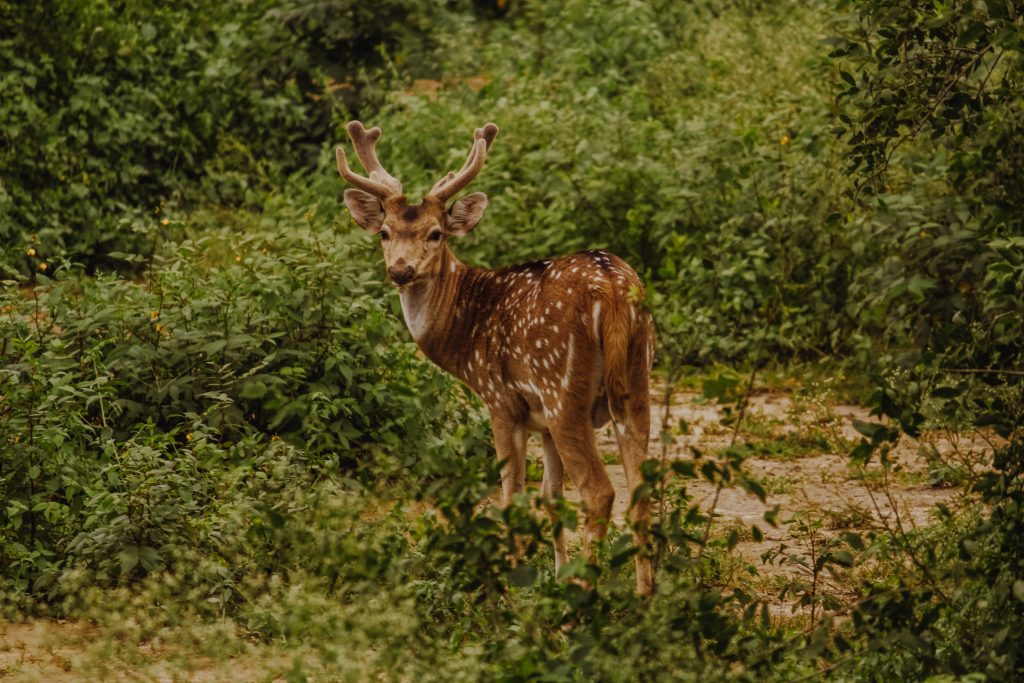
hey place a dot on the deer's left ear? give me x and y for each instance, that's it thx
(466, 213)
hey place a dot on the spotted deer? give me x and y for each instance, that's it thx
(554, 346)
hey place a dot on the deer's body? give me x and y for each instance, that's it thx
(556, 346)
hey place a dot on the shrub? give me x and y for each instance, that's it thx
(112, 110)
(121, 398)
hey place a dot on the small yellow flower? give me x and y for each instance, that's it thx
(165, 221)
(17, 438)
(922, 234)
(158, 327)
(43, 267)
(784, 140)
(275, 437)
(238, 259)
(188, 437)
(31, 252)
(153, 315)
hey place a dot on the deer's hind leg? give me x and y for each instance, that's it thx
(574, 442)
(551, 487)
(632, 425)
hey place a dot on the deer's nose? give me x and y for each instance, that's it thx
(401, 274)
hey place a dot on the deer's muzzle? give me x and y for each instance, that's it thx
(401, 275)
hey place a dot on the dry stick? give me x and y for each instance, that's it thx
(732, 442)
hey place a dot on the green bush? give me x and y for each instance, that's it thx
(117, 394)
(236, 430)
(113, 110)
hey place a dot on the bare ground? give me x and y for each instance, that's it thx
(808, 479)
(57, 651)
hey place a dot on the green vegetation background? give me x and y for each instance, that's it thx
(210, 411)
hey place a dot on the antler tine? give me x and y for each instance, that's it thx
(380, 182)
(453, 182)
(365, 142)
(488, 133)
(373, 187)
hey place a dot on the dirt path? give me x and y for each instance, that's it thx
(804, 469)
(57, 651)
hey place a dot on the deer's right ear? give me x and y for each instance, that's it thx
(366, 210)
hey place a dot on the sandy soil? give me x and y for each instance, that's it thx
(50, 651)
(822, 483)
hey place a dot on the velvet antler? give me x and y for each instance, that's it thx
(380, 183)
(445, 188)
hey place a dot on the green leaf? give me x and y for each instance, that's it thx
(868, 429)
(842, 557)
(948, 392)
(255, 389)
(149, 558)
(129, 558)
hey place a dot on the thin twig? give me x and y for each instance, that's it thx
(666, 405)
(984, 371)
(732, 442)
(991, 70)
(899, 533)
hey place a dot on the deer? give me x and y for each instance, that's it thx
(557, 347)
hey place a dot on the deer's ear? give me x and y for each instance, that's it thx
(366, 210)
(466, 213)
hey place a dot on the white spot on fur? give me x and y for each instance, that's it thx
(568, 364)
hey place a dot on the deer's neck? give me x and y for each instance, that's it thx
(442, 314)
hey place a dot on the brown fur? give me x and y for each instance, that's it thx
(555, 346)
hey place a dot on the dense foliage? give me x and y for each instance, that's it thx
(113, 109)
(210, 411)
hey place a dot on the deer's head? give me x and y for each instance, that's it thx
(413, 236)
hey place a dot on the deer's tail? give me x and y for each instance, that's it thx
(618, 328)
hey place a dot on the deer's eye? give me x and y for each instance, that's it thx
(385, 235)
(434, 236)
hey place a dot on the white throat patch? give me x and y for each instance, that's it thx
(415, 310)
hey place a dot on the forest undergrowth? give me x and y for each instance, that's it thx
(222, 455)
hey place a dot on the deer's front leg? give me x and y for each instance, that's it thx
(510, 443)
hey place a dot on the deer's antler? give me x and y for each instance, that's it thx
(445, 188)
(380, 183)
